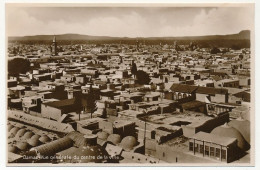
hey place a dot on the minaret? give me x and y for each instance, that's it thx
(54, 46)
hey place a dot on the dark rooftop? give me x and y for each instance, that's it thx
(211, 90)
(61, 104)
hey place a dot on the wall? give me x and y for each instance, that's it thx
(111, 112)
(106, 126)
(186, 99)
(201, 97)
(208, 126)
(168, 95)
(219, 98)
(128, 130)
(83, 130)
(163, 139)
(244, 82)
(50, 112)
(188, 131)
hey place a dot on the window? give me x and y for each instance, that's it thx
(211, 107)
(196, 147)
(212, 151)
(153, 134)
(201, 149)
(217, 152)
(223, 154)
(34, 102)
(207, 150)
(191, 146)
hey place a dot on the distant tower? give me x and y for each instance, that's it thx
(137, 44)
(54, 46)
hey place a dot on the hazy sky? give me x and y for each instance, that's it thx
(128, 21)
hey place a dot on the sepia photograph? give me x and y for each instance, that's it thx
(130, 84)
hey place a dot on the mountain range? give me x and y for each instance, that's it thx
(242, 35)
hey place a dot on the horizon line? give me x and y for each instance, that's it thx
(127, 36)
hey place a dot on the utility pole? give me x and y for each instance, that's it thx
(144, 130)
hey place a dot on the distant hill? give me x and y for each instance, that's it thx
(241, 39)
(241, 35)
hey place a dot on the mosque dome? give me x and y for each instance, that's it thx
(14, 130)
(34, 142)
(114, 138)
(44, 139)
(20, 133)
(228, 131)
(28, 135)
(23, 146)
(128, 143)
(35, 137)
(13, 149)
(102, 135)
(9, 127)
(243, 126)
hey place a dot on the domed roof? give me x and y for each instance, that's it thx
(13, 149)
(14, 130)
(35, 137)
(34, 142)
(10, 135)
(28, 135)
(102, 135)
(9, 127)
(44, 139)
(243, 126)
(94, 154)
(228, 131)
(128, 143)
(23, 146)
(114, 138)
(20, 133)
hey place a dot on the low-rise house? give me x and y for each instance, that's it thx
(205, 94)
(55, 110)
(32, 103)
(213, 146)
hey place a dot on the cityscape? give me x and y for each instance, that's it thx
(165, 100)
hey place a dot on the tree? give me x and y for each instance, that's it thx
(17, 66)
(214, 50)
(89, 102)
(134, 69)
(235, 47)
(86, 103)
(142, 77)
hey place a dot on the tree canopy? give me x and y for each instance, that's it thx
(134, 69)
(17, 66)
(86, 102)
(215, 50)
(142, 77)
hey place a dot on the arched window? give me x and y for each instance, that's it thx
(175, 96)
(179, 96)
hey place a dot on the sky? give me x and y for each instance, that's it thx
(128, 21)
